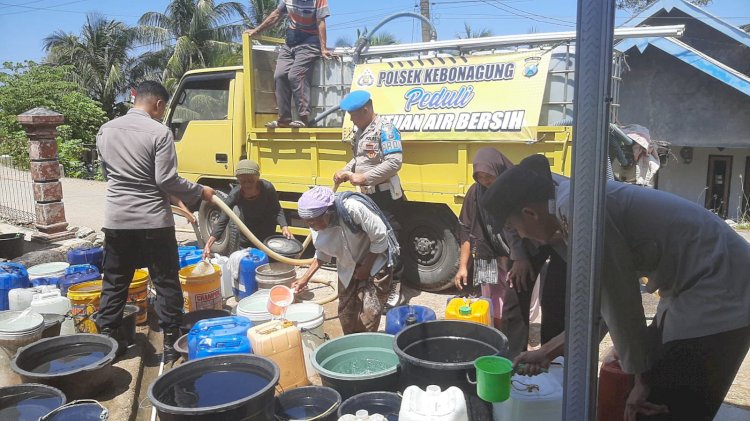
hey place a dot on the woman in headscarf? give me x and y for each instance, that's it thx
(503, 265)
(351, 228)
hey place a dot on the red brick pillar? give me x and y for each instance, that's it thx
(41, 128)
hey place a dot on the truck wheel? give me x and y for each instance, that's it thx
(209, 215)
(429, 248)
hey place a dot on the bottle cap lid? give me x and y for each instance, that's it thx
(464, 310)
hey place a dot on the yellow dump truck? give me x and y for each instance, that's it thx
(447, 103)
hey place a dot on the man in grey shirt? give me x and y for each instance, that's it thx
(685, 361)
(139, 162)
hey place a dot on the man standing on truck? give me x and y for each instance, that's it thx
(305, 42)
(139, 161)
(376, 145)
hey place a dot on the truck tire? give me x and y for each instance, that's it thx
(429, 247)
(208, 217)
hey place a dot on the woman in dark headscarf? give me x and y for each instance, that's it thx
(499, 262)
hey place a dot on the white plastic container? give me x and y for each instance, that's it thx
(309, 318)
(19, 328)
(48, 270)
(254, 307)
(433, 404)
(51, 303)
(540, 403)
(20, 299)
(363, 415)
(226, 275)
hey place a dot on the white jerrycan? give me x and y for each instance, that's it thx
(433, 404)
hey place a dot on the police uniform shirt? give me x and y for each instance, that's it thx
(377, 152)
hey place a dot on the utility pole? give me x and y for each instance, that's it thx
(424, 10)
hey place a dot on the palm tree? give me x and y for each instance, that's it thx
(99, 55)
(469, 32)
(193, 34)
(382, 38)
(258, 11)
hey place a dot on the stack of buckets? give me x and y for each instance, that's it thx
(85, 296)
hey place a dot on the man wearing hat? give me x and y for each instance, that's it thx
(258, 205)
(685, 361)
(349, 227)
(376, 146)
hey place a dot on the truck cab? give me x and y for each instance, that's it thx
(447, 105)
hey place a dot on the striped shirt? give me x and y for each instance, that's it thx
(304, 15)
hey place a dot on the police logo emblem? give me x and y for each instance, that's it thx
(367, 78)
(532, 66)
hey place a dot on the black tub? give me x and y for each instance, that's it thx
(28, 402)
(442, 352)
(308, 403)
(11, 245)
(226, 387)
(89, 368)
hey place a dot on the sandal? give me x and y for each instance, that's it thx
(276, 124)
(297, 124)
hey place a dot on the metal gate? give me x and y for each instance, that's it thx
(16, 193)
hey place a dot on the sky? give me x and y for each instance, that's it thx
(25, 23)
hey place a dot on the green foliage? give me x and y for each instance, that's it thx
(470, 32)
(190, 34)
(636, 5)
(27, 85)
(99, 55)
(258, 11)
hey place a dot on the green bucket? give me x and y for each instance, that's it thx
(493, 378)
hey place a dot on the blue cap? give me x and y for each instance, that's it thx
(355, 100)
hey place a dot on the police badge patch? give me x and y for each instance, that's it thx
(532, 66)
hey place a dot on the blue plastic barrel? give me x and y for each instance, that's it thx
(87, 256)
(246, 284)
(190, 258)
(398, 318)
(76, 274)
(219, 336)
(51, 281)
(12, 275)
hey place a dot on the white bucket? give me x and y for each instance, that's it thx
(16, 331)
(309, 318)
(255, 308)
(48, 270)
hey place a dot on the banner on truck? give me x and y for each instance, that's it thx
(495, 96)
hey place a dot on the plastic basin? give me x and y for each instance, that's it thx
(357, 363)
(85, 379)
(29, 402)
(217, 388)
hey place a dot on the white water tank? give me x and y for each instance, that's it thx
(537, 398)
(433, 404)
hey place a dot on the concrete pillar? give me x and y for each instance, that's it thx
(41, 129)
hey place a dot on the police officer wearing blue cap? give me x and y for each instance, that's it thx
(376, 145)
